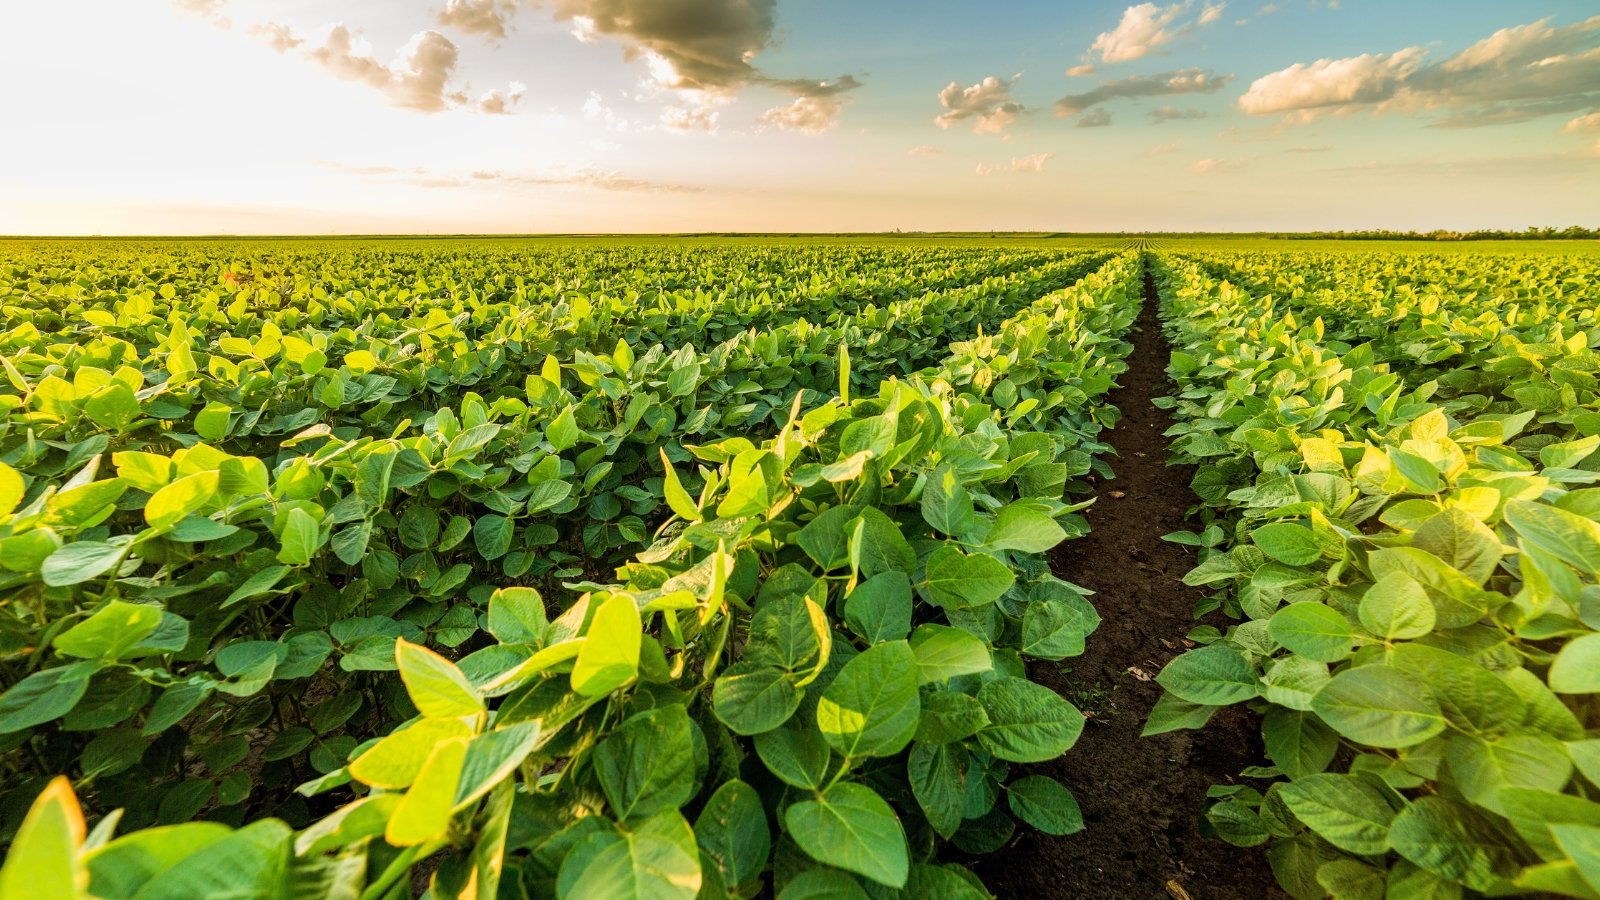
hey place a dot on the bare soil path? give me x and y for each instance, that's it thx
(1142, 798)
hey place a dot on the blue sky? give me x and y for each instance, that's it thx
(667, 115)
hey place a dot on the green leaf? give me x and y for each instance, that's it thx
(1312, 630)
(798, 756)
(1025, 529)
(872, 705)
(949, 716)
(1564, 535)
(1298, 742)
(1576, 669)
(1288, 543)
(1379, 706)
(825, 539)
(1046, 804)
(647, 765)
(1347, 811)
(256, 585)
(658, 860)
(955, 580)
(43, 861)
(1173, 714)
(1027, 722)
(678, 499)
(517, 616)
(946, 505)
(437, 687)
(563, 432)
(1215, 675)
(1396, 607)
(732, 830)
(751, 698)
(939, 776)
(1056, 628)
(169, 505)
(44, 696)
(943, 653)
(879, 609)
(610, 657)
(394, 761)
(823, 884)
(81, 561)
(424, 813)
(1581, 843)
(110, 633)
(1454, 843)
(12, 489)
(250, 862)
(492, 535)
(850, 827)
(211, 422)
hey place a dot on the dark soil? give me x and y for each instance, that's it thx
(1142, 798)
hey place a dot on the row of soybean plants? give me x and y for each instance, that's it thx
(570, 742)
(1413, 549)
(284, 492)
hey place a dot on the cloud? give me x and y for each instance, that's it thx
(925, 150)
(1143, 28)
(705, 49)
(1164, 149)
(1172, 113)
(684, 119)
(988, 104)
(1319, 148)
(1180, 81)
(496, 103)
(1207, 166)
(418, 79)
(1589, 124)
(811, 115)
(1033, 163)
(279, 37)
(816, 105)
(482, 17)
(1515, 74)
(1330, 83)
(1098, 118)
(1085, 69)
(583, 177)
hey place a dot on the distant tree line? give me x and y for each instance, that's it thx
(1571, 233)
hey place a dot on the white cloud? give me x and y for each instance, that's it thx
(419, 78)
(1210, 13)
(496, 103)
(988, 104)
(485, 17)
(1368, 78)
(1143, 28)
(279, 37)
(1164, 149)
(811, 115)
(684, 119)
(924, 150)
(1033, 163)
(1589, 124)
(1085, 69)
(1514, 74)
(1207, 166)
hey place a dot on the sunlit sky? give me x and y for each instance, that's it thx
(453, 116)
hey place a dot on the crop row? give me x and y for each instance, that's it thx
(817, 658)
(1399, 513)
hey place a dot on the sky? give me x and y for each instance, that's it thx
(523, 116)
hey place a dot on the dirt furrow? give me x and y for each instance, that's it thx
(1142, 798)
